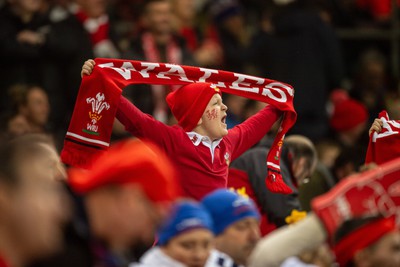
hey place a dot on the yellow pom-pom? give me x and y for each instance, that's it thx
(295, 216)
(240, 191)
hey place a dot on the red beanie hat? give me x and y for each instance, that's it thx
(189, 102)
(362, 238)
(347, 114)
(130, 162)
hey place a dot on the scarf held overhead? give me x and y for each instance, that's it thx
(90, 128)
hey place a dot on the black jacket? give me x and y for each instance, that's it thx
(275, 206)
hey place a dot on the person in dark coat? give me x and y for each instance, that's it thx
(296, 46)
(22, 41)
(68, 44)
(248, 173)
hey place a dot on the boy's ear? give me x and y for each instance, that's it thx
(200, 122)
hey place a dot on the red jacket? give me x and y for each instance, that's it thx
(3, 262)
(239, 181)
(199, 174)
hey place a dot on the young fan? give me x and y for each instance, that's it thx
(200, 146)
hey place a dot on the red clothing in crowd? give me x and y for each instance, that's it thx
(202, 165)
(3, 262)
(239, 181)
(384, 146)
(378, 8)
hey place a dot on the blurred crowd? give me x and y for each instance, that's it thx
(340, 85)
(43, 44)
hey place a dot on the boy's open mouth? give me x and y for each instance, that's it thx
(223, 120)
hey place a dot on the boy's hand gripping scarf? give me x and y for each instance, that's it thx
(90, 128)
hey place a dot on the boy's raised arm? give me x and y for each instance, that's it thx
(139, 124)
(247, 134)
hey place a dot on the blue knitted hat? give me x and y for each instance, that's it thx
(227, 207)
(186, 215)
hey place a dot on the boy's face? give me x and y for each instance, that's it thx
(213, 121)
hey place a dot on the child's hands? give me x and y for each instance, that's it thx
(87, 67)
(376, 126)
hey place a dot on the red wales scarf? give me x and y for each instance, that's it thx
(90, 128)
(384, 146)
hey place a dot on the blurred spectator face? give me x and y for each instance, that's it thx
(384, 253)
(28, 6)
(236, 104)
(239, 239)
(191, 248)
(123, 215)
(157, 17)
(185, 9)
(62, 3)
(355, 133)
(328, 153)
(393, 105)
(374, 75)
(345, 170)
(234, 24)
(37, 107)
(93, 8)
(372, 72)
(35, 210)
(302, 156)
(301, 170)
(18, 125)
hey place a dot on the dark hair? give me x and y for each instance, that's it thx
(301, 147)
(12, 150)
(349, 155)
